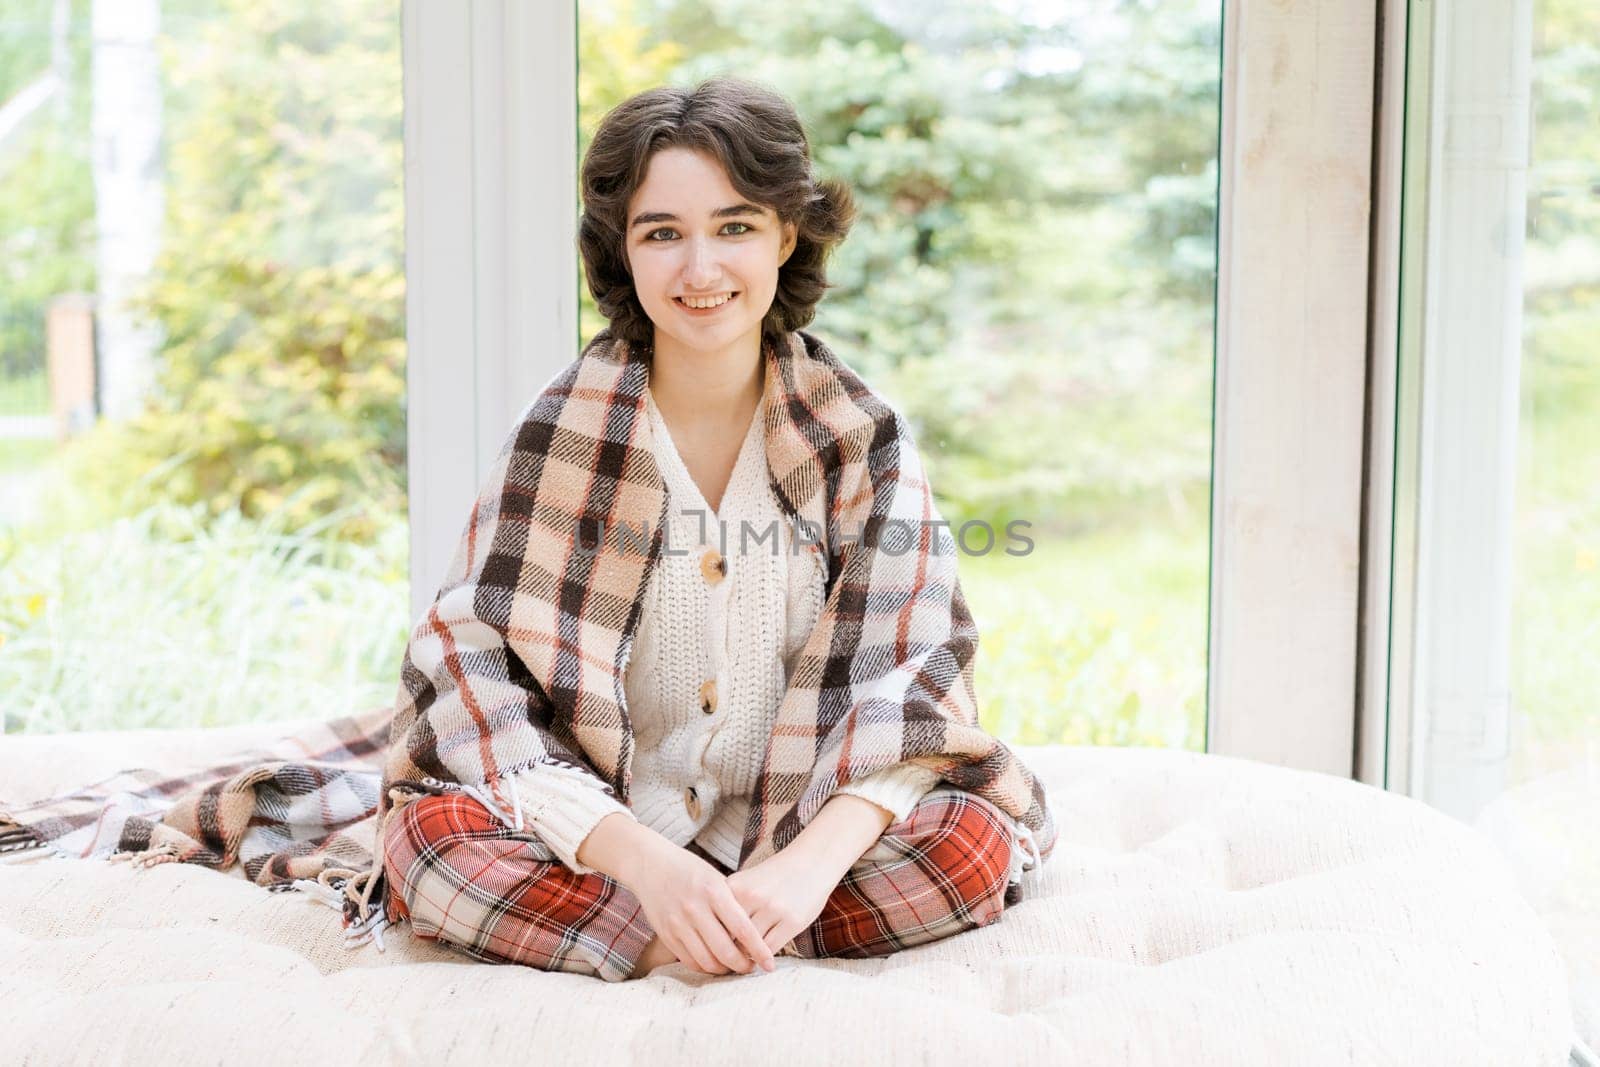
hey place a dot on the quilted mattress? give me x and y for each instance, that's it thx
(1198, 910)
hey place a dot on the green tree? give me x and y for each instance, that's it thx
(46, 192)
(1034, 237)
(280, 285)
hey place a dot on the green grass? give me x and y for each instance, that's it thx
(1556, 548)
(152, 622)
(25, 395)
(1098, 639)
(25, 454)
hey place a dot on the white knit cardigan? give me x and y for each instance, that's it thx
(708, 640)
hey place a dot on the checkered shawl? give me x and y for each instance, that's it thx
(520, 659)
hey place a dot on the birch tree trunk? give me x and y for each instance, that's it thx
(129, 193)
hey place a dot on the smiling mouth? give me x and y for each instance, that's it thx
(679, 301)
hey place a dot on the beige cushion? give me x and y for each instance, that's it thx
(1198, 910)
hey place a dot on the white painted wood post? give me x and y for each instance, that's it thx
(129, 193)
(1291, 380)
(491, 290)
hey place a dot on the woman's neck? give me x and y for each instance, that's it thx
(707, 392)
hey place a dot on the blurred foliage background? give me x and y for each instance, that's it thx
(1030, 280)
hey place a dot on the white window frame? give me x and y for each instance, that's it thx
(1389, 536)
(1450, 693)
(490, 96)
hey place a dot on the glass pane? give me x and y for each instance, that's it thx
(1498, 588)
(1030, 281)
(202, 361)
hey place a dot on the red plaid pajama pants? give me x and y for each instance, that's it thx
(461, 876)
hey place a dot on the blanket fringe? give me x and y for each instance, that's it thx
(166, 852)
(369, 921)
(349, 893)
(369, 929)
(15, 857)
(14, 838)
(316, 891)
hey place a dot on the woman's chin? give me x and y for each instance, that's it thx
(710, 336)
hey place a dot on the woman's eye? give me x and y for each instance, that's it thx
(651, 236)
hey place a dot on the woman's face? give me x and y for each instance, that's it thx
(690, 235)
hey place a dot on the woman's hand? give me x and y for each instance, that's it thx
(783, 894)
(692, 908)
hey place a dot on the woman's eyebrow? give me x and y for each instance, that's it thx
(720, 213)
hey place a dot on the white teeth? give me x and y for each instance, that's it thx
(707, 302)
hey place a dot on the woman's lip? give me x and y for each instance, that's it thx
(706, 311)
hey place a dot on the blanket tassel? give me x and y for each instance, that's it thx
(166, 852)
(13, 857)
(335, 887)
(319, 892)
(368, 921)
(14, 838)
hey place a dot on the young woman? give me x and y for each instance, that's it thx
(603, 831)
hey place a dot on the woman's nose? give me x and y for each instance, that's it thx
(701, 268)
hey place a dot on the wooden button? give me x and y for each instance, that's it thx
(708, 696)
(691, 803)
(713, 566)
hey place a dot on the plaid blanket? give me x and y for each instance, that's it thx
(298, 813)
(520, 658)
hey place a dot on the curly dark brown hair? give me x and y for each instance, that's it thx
(757, 135)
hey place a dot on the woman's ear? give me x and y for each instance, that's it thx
(791, 235)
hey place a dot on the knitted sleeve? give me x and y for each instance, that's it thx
(563, 806)
(895, 788)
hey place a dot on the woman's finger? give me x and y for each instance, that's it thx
(769, 925)
(702, 957)
(721, 945)
(744, 930)
(676, 947)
